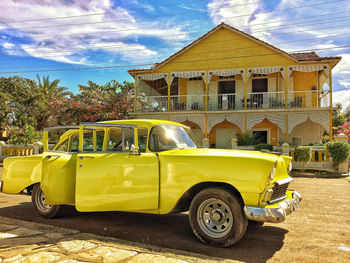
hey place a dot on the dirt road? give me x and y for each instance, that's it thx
(318, 232)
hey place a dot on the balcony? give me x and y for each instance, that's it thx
(234, 101)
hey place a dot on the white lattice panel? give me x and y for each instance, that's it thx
(321, 118)
(198, 119)
(226, 73)
(279, 120)
(152, 77)
(236, 119)
(266, 70)
(187, 75)
(214, 119)
(296, 118)
(308, 68)
(254, 119)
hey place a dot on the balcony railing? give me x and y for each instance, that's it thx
(266, 100)
(234, 101)
(152, 104)
(187, 102)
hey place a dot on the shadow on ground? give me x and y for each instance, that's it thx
(168, 231)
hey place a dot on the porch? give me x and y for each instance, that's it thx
(237, 89)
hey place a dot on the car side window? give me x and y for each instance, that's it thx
(142, 138)
(63, 147)
(88, 144)
(120, 139)
(74, 145)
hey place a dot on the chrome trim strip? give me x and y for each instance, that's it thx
(277, 200)
(284, 181)
(108, 124)
(273, 214)
(64, 127)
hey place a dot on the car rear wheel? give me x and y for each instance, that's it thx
(217, 217)
(39, 205)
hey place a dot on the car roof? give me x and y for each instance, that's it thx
(147, 123)
(143, 122)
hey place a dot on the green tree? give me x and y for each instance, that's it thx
(17, 99)
(52, 103)
(101, 102)
(338, 117)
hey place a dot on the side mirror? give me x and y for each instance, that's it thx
(134, 150)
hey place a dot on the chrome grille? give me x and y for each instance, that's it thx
(279, 192)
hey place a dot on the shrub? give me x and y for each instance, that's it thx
(247, 139)
(263, 146)
(302, 154)
(325, 139)
(339, 151)
(24, 136)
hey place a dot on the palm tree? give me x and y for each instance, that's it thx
(52, 97)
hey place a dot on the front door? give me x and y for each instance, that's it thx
(115, 180)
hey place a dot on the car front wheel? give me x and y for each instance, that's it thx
(217, 217)
(39, 205)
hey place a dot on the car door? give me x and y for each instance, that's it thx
(115, 179)
(58, 173)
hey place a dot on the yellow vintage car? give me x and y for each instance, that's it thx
(155, 166)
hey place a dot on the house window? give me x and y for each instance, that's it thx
(259, 75)
(227, 77)
(195, 78)
(226, 96)
(262, 136)
(259, 85)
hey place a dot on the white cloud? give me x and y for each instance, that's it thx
(345, 83)
(344, 65)
(287, 23)
(342, 97)
(8, 45)
(42, 45)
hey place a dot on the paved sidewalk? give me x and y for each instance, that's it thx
(22, 241)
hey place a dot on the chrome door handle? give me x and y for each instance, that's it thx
(53, 155)
(82, 157)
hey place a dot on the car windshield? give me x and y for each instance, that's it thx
(168, 137)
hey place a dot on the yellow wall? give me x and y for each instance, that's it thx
(224, 44)
(304, 80)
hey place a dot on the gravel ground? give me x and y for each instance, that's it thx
(318, 232)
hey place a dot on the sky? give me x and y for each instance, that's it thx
(44, 36)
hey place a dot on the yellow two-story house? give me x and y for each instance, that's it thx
(228, 82)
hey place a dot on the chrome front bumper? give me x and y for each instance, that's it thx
(273, 214)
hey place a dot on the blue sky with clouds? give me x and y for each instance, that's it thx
(102, 33)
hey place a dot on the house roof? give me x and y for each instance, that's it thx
(312, 56)
(297, 57)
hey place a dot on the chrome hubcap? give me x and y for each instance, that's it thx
(40, 201)
(215, 218)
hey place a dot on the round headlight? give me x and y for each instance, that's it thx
(272, 173)
(290, 167)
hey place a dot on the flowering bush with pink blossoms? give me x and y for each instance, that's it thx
(345, 128)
